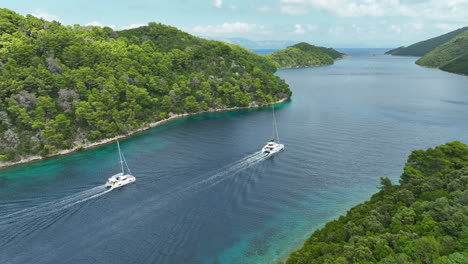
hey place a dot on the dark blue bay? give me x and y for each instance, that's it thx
(203, 196)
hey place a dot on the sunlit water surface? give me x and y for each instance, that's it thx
(205, 195)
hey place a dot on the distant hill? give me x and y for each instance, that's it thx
(450, 56)
(426, 46)
(304, 55)
(395, 51)
(311, 48)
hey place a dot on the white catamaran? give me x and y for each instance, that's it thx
(122, 178)
(273, 147)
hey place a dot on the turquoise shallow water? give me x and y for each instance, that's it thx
(203, 193)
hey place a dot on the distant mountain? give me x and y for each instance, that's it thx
(304, 55)
(451, 56)
(424, 47)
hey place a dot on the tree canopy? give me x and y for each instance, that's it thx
(448, 52)
(423, 220)
(450, 56)
(304, 55)
(423, 47)
(63, 86)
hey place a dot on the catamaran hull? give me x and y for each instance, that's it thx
(271, 151)
(130, 179)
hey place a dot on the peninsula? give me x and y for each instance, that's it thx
(64, 88)
(448, 52)
(423, 47)
(451, 56)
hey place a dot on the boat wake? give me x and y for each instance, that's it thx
(37, 217)
(18, 225)
(230, 170)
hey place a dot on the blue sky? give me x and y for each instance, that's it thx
(336, 23)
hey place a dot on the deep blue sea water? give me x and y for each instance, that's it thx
(203, 193)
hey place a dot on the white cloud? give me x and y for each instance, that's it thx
(395, 28)
(264, 9)
(230, 28)
(99, 24)
(311, 27)
(44, 15)
(448, 27)
(451, 10)
(298, 29)
(350, 8)
(133, 26)
(415, 25)
(218, 3)
(302, 29)
(336, 31)
(293, 10)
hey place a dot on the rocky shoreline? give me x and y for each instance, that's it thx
(109, 140)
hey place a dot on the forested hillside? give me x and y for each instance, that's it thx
(457, 65)
(306, 47)
(304, 55)
(449, 56)
(423, 47)
(64, 86)
(424, 220)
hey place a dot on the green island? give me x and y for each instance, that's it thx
(304, 55)
(62, 87)
(451, 56)
(448, 52)
(423, 220)
(423, 47)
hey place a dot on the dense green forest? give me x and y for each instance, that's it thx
(423, 220)
(304, 55)
(457, 65)
(423, 47)
(449, 56)
(311, 48)
(448, 52)
(65, 86)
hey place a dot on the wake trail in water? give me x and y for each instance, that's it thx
(28, 220)
(162, 248)
(53, 206)
(229, 171)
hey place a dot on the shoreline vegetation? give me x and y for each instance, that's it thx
(448, 52)
(423, 219)
(151, 125)
(303, 55)
(63, 86)
(451, 56)
(345, 56)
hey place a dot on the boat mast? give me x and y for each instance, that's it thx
(275, 127)
(120, 158)
(126, 165)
